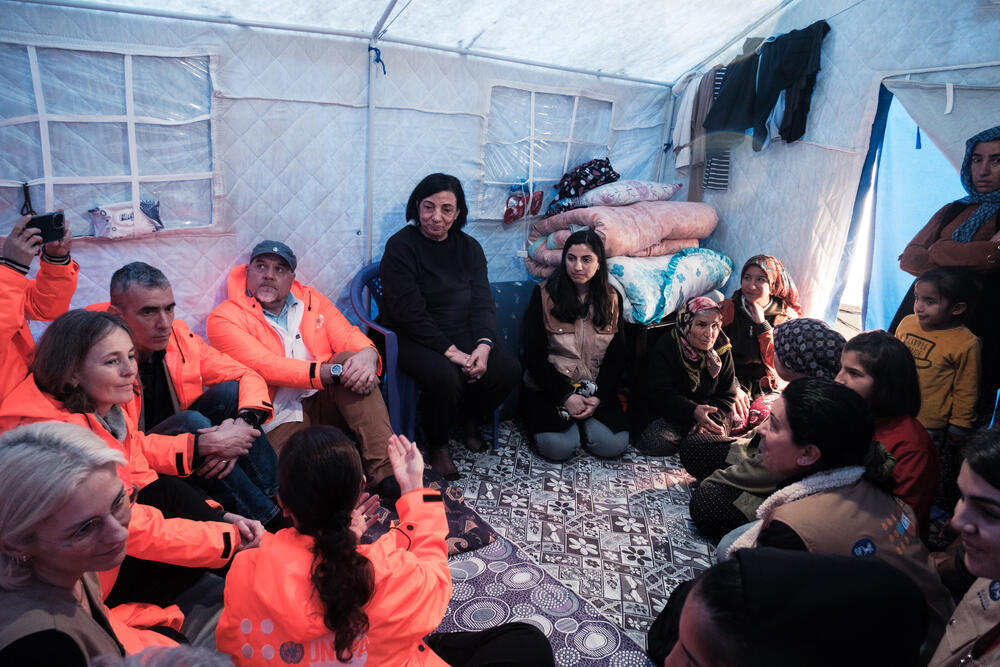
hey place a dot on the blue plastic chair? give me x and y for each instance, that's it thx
(401, 389)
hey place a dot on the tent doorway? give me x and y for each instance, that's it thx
(912, 179)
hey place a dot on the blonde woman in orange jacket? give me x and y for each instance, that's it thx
(312, 594)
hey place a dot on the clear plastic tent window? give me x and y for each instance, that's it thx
(89, 130)
(534, 137)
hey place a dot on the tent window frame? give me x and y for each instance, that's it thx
(131, 126)
(534, 140)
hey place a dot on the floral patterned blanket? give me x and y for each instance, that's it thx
(642, 229)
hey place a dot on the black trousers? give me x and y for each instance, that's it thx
(141, 580)
(507, 645)
(445, 394)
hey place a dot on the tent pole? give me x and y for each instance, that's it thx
(665, 135)
(370, 162)
(370, 147)
(245, 23)
(382, 20)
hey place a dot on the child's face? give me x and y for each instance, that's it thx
(854, 376)
(932, 311)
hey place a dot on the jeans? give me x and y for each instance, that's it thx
(250, 487)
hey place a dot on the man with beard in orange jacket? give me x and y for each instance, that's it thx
(319, 368)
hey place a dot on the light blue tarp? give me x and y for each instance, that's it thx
(911, 185)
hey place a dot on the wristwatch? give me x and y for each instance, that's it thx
(335, 371)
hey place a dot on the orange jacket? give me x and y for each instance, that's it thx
(193, 365)
(238, 328)
(151, 536)
(131, 622)
(21, 299)
(272, 615)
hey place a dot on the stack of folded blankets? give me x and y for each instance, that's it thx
(652, 245)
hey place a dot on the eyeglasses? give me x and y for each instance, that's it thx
(120, 511)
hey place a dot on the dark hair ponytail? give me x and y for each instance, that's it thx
(320, 477)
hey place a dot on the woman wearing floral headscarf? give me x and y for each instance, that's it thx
(692, 383)
(767, 297)
(967, 233)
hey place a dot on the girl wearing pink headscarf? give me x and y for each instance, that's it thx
(767, 297)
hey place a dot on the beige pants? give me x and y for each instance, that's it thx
(365, 416)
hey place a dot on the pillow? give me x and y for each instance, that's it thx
(653, 287)
(622, 193)
(467, 530)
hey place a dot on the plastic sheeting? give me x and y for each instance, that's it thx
(951, 106)
(654, 40)
(533, 138)
(289, 128)
(94, 128)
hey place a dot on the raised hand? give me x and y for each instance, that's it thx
(407, 463)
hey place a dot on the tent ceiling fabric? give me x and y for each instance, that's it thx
(657, 40)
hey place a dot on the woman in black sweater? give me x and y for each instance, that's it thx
(437, 298)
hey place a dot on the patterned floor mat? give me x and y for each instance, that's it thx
(500, 583)
(616, 532)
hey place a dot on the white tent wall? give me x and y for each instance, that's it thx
(289, 142)
(795, 200)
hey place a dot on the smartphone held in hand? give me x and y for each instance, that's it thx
(51, 226)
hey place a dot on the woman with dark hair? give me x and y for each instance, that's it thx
(437, 298)
(973, 632)
(574, 353)
(836, 497)
(767, 607)
(966, 233)
(85, 373)
(881, 370)
(691, 381)
(734, 481)
(313, 592)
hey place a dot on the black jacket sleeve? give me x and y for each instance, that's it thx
(613, 366)
(482, 310)
(535, 340)
(781, 536)
(669, 385)
(405, 308)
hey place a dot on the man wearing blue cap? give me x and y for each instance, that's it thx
(320, 369)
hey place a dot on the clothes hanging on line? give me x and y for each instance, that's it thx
(686, 89)
(789, 63)
(701, 106)
(717, 151)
